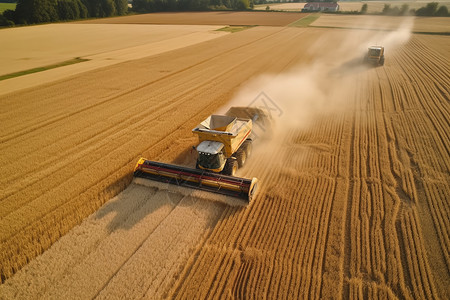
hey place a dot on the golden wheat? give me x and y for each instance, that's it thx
(352, 204)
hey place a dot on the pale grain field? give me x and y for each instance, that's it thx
(353, 201)
(415, 24)
(25, 48)
(377, 6)
(372, 6)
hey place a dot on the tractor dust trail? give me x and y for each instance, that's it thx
(322, 88)
(298, 95)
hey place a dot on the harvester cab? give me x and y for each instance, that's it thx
(211, 156)
(224, 143)
(375, 55)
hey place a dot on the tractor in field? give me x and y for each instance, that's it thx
(225, 143)
(375, 56)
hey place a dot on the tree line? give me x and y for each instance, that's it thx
(42, 11)
(144, 6)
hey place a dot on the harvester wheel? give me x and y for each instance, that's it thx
(382, 61)
(248, 147)
(230, 167)
(241, 156)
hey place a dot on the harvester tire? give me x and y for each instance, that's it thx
(230, 167)
(248, 148)
(382, 61)
(241, 157)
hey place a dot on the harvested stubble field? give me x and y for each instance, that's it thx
(354, 184)
(377, 6)
(420, 25)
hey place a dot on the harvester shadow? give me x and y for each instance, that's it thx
(150, 200)
(132, 205)
(147, 199)
(141, 198)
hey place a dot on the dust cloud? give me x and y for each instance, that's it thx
(325, 85)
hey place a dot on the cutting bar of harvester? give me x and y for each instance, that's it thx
(198, 179)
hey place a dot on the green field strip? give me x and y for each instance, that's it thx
(45, 68)
(235, 28)
(381, 29)
(6, 6)
(306, 21)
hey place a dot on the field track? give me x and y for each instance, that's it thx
(353, 202)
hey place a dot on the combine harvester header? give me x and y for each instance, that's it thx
(198, 179)
(225, 143)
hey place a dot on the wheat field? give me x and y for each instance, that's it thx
(354, 183)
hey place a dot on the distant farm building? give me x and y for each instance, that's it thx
(321, 6)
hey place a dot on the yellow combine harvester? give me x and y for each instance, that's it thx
(225, 142)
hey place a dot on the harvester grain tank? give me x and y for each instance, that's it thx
(224, 145)
(375, 55)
